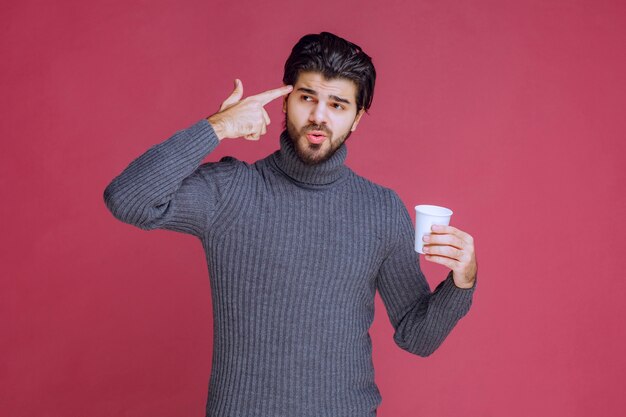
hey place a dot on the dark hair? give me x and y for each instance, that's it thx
(333, 57)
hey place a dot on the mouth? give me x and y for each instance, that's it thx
(316, 137)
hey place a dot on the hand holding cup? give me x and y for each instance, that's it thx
(446, 245)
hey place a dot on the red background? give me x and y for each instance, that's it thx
(508, 112)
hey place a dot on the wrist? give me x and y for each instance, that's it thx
(218, 127)
(466, 285)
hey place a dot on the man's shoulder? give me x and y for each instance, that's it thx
(371, 185)
(226, 163)
(374, 189)
(224, 170)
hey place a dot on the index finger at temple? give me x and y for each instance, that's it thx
(270, 95)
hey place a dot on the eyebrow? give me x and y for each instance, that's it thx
(332, 97)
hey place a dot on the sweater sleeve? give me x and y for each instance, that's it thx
(166, 187)
(421, 319)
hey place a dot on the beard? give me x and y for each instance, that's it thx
(312, 153)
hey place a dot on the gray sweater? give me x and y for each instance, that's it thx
(295, 255)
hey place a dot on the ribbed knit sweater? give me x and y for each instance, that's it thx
(295, 255)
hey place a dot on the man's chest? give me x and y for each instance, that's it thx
(303, 234)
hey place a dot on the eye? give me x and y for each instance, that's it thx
(337, 106)
(306, 98)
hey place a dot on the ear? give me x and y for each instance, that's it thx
(357, 119)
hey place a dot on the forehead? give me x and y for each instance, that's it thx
(341, 87)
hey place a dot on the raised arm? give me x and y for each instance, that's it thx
(166, 187)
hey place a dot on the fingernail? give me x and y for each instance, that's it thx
(426, 238)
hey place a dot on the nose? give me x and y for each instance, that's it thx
(318, 114)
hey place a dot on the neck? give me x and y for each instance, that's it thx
(324, 173)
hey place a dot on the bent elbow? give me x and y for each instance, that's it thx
(115, 203)
(416, 347)
(424, 353)
(111, 200)
(120, 206)
(133, 210)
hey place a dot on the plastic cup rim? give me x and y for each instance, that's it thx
(447, 211)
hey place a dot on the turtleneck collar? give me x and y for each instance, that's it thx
(324, 173)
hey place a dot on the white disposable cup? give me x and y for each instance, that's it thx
(425, 216)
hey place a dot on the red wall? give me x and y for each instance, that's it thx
(508, 112)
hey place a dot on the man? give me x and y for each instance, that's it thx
(297, 244)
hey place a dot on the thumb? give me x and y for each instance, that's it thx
(235, 96)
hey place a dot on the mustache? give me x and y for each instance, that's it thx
(321, 128)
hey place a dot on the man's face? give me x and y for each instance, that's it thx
(320, 114)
